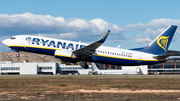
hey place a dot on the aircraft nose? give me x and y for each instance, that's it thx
(6, 42)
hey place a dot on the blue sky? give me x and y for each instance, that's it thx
(131, 21)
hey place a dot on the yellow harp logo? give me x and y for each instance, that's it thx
(162, 42)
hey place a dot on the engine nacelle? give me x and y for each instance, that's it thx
(64, 55)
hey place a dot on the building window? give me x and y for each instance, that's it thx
(45, 68)
(10, 68)
(177, 66)
(168, 66)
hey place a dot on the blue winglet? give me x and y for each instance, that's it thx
(103, 38)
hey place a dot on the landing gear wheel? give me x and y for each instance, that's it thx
(17, 55)
(84, 65)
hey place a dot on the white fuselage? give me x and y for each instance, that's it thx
(102, 54)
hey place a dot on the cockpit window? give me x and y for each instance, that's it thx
(13, 38)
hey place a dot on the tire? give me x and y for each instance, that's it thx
(17, 55)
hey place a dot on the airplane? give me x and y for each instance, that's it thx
(96, 71)
(132, 70)
(72, 51)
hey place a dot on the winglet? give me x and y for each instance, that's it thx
(103, 38)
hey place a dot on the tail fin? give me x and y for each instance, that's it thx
(160, 44)
(95, 68)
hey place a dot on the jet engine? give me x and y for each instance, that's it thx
(64, 55)
(68, 56)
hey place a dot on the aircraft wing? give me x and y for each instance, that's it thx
(88, 51)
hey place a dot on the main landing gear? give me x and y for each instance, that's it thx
(84, 65)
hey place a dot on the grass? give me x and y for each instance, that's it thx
(56, 87)
(89, 77)
(63, 85)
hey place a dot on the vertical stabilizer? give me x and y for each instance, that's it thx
(160, 44)
(95, 68)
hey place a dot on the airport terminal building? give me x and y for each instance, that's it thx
(49, 68)
(170, 67)
(53, 68)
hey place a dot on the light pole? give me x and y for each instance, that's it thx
(12, 65)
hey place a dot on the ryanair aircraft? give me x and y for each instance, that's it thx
(72, 51)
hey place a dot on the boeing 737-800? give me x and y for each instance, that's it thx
(72, 51)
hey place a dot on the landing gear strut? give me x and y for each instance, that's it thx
(84, 65)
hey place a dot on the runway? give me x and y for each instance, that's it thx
(89, 87)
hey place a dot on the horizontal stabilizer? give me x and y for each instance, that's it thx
(160, 57)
